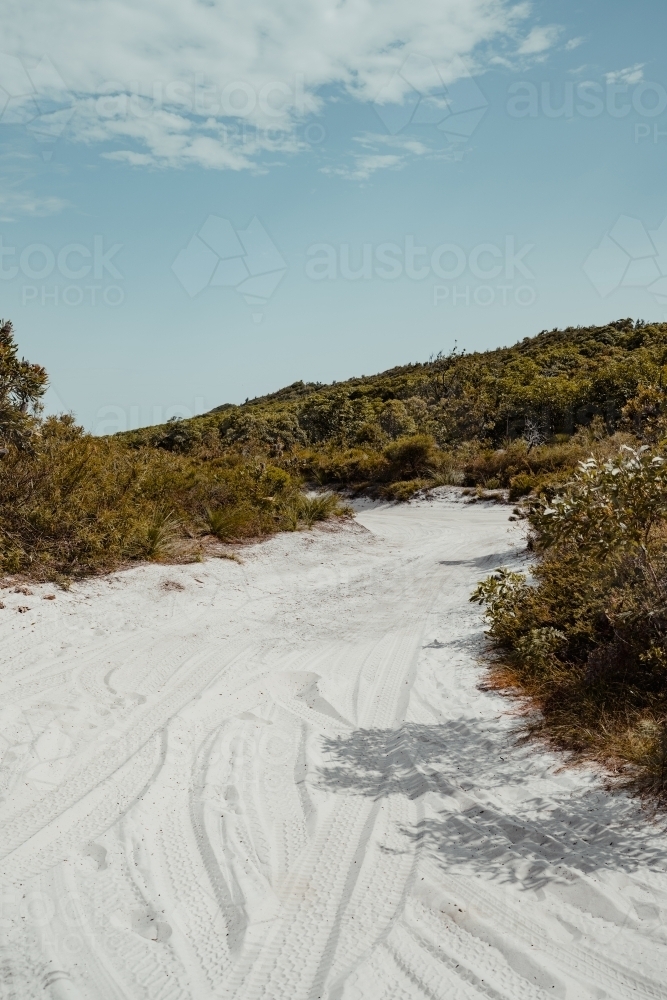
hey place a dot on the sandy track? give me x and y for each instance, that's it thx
(282, 783)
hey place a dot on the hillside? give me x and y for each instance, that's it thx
(560, 378)
(543, 390)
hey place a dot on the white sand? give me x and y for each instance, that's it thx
(282, 783)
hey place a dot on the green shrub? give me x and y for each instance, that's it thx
(504, 465)
(74, 504)
(22, 386)
(403, 490)
(587, 637)
(521, 485)
(160, 535)
(318, 508)
(232, 523)
(305, 511)
(410, 457)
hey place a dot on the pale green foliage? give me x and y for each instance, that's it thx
(587, 638)
(608, 505)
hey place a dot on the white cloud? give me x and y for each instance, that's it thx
(406, 143)
(630, 75)
(210, 72)
(539, 39)
(361, 166)
(574, 43)
(364, 165)
(15, 203)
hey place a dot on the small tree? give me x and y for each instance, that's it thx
(22, 386)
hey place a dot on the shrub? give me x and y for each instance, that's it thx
(521, 485)
(356, 468)
(74, 504)
(304, 511)
(395, 420)
(507, 464)
(646, 413)
(160, 535)
(319, 508)
(22, 386)
(410, 457)
(232, 522)
(587, 637)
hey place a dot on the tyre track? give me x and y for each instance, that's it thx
(224, 866)
(28, 822)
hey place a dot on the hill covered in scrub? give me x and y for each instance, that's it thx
(537, 403)
(72, 504)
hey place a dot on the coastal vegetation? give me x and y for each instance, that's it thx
(517, 418)
(569, 426)
(72, 504)
(583, 635)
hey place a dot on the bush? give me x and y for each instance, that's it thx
(504, 465)
(413, 456)
(521, 485)
(232, 523)
(73, 504)
(319, 508)
(22, 386)
(586, 639)
(403, 490)
(354, 468)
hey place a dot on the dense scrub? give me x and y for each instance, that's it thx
(72, 504)
(75, 504)
(518, 417)
(586, 636)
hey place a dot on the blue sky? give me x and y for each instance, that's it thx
(202, 202)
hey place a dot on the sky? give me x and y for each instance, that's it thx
(202, 201)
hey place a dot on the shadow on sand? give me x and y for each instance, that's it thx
(495, 820)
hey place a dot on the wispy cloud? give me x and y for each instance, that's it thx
(539, 39)
(359, 166)
(366, 164)
(15, 203)
(630, 75)
(179, 82)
